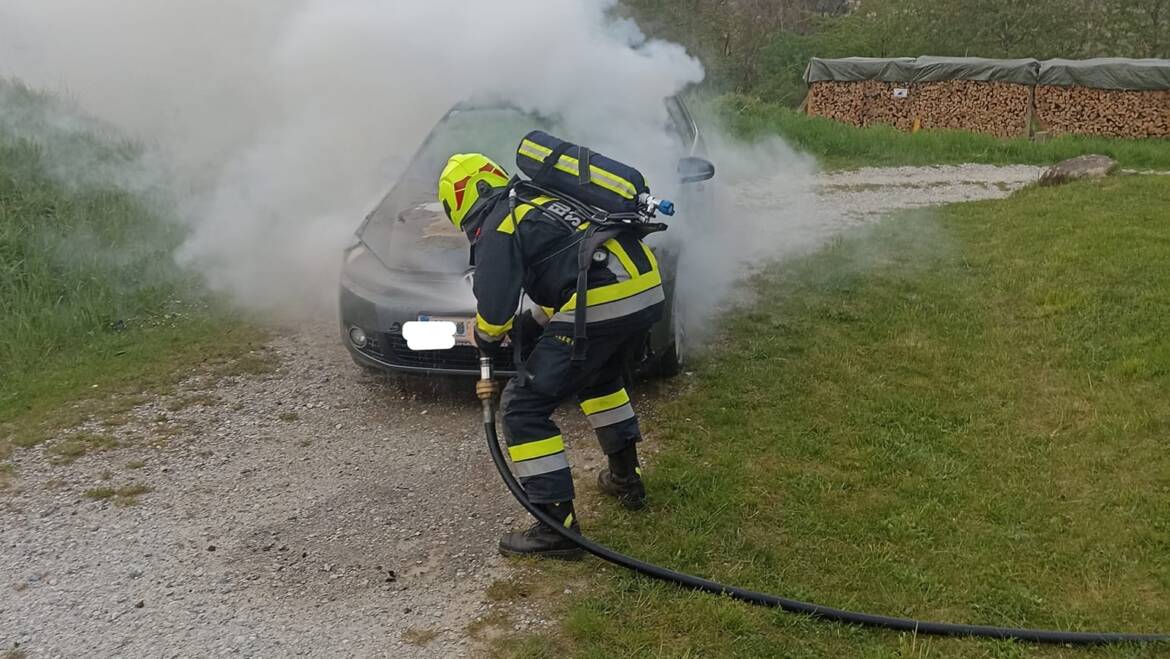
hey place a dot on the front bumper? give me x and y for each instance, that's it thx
(381, 315)
(388, 351)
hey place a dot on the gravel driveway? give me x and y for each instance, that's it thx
(315, 511)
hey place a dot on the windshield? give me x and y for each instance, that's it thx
(409, 230)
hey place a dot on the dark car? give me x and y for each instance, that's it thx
(409, 263)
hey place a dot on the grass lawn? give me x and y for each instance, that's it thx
(839, 146)
(91, 301)
(957, 415)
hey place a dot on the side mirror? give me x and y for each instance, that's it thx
(695, 170)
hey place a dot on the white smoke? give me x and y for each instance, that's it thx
(285, 119)
(764, 209)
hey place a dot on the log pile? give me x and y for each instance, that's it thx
(1104, 112)
(994, 108)
(861, 103)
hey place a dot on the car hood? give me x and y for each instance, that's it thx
(418, 239)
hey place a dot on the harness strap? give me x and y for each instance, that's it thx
(551, 161)
(595, 237)
(584, 166)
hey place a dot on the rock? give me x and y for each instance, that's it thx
(1078, 168)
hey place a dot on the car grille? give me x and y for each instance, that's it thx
(392, 348)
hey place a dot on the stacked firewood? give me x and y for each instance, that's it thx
(862, 103)
(1107, 112)
(995, 108)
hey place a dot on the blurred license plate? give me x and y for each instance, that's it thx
(463, 327)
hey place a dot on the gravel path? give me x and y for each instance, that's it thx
(873, 191)
(315, 511)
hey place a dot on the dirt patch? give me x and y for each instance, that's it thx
(369, 513)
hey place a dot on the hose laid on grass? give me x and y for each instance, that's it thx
(790, 605)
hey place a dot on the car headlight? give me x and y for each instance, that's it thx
(357, 336)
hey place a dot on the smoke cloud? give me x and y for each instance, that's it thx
(285, 120)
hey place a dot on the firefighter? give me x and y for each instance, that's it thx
(534, 248)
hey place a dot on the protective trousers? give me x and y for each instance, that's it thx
(535, 443)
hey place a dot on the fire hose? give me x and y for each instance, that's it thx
(763, 599)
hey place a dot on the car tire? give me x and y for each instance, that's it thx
(670, 363)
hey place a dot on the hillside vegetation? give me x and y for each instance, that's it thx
(90, 296)
(761, 47)
(756, 51)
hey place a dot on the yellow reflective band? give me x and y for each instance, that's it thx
(621, 290)
(611, 182)
(490, 329)
(650, 256)
(534, 150)
(569, 520)
(595, 405)
(616, 248)
(615, 292)
(522, 211)
(533, 450)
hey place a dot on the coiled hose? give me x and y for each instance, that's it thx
(789, 605)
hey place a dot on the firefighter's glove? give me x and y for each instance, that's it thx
(488, 348)
(487, 389)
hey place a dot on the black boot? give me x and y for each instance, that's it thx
(623, 479)
(541, 541)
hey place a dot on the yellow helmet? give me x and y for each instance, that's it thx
(463, 182)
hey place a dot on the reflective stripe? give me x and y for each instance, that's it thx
(618, 271)
(492, 331)
(627, 263)
(614, 292)
(601, 177)
(522, 211)
(534, 150)
(607, 402)
(611, 417)
(539, 449)
(649, 255)
(613, 310)
(538, 466)
(636, 283)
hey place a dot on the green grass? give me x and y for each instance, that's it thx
(121, 496)
(79, 445)
(92, 305)
(839, 146)
(959, 415)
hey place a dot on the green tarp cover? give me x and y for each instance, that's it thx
(853, 69)
(1019, 71)
(1104, 73)
(1107, 73)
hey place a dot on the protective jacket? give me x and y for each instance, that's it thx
(537, 248)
